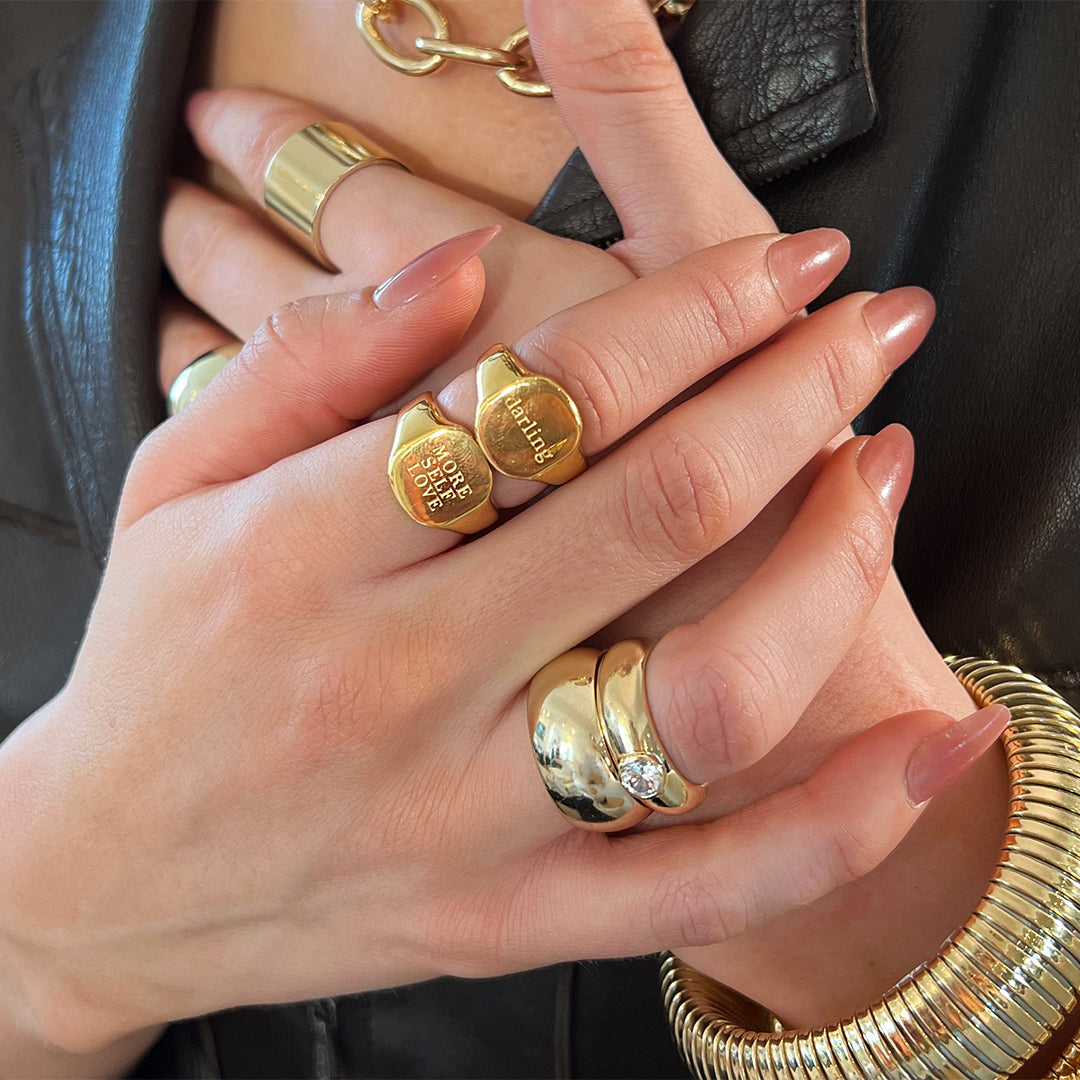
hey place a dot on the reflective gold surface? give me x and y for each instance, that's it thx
(1002, 983)
(627, 724)
(309, 165)
(511, 65)
(527, 424)
(437, 471)
(569, 748)
(198, 375)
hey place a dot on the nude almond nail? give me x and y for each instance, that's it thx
(898, 320)
(431, 269)
(803, 264)
(885, 462)
(942, 757)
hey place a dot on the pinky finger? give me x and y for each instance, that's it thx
(703, 884)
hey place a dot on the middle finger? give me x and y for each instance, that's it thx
(689, 482)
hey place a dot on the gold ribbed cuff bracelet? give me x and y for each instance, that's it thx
(1001, 984)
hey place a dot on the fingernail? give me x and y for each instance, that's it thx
(432, 268)
(885, 462)
(942, 757)
(898, 320)
(803, 264)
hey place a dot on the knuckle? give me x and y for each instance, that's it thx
(596, 372)
(679, 499)
(269, 560)
(835, 373)
(288, 341)
(712, 725)
(742, 688)
(206, 245)
(629, 56)
(850, 856)
(719, 308)
(688, 912)
(866, 554)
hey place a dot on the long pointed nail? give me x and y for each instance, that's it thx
(899, 320)
(942, 757)
(803, 264)
(885, 462)
(431, 269)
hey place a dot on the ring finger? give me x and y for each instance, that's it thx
(724, 691)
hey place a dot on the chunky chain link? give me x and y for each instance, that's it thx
(511, 64)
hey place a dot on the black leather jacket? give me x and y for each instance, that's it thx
(962, 176)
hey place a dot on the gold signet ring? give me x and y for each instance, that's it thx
(642, 763)
(569, 747)
(527, 424)
(438, 473)
(196, 377)
(307, 167)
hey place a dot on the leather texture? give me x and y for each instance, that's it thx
(778, 84)
(963, 185)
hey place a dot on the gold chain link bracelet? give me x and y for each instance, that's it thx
(510, 63)
(1002, 983)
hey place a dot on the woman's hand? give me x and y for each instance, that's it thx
(292, 760)
(625, 104)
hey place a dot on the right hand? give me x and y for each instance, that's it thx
(291, 760)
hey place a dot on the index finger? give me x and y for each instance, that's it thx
(621, 94)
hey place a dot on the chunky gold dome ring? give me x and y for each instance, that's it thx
(569, 746)
(307, 167)
(527, 424)
(438, 473)
(196, 377)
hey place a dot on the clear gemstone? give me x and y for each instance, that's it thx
(642, 775)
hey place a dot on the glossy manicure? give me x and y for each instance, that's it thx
(803, 264)
(885, 462)
(943, 756)
(432, 268)
(898, 320)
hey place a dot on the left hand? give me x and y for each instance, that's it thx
(674, 194)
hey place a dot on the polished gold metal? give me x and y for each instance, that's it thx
(527, 424)
(369, 13)
(1068, 1068)
(196, 377)
(435, 48)
(1001, 984)
(468, 54)
(438, 472)
(569, 748)
(514, 78)
(307, 167)
(623, 709)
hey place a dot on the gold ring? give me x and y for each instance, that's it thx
(569, 747)
(643, 765)
(527, 424)
(196, 377)
(307, 167)
(438, 473)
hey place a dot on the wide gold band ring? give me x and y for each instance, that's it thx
(527, 424)
(307, 167)
(196, 377)
(569, 746)
(642, 764)
(437, 471)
